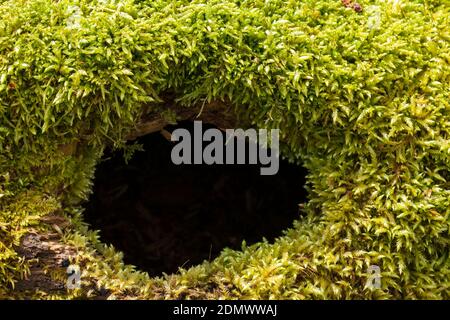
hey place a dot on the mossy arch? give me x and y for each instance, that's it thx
(366, 110)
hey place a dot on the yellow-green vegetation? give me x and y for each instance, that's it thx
(365, 109)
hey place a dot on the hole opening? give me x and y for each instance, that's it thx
(164, 216)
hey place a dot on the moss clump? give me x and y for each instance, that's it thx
(364, 109)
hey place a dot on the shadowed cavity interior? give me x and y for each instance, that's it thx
(163, 216)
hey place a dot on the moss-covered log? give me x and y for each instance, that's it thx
(363, 105)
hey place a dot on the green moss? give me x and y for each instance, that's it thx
(366, 110)
(16, 219)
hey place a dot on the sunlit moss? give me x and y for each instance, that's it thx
(365, 109)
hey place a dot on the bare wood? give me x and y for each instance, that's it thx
(217, 113)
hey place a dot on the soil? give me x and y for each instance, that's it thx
(46, 255)
(48, 258)
(165, 216)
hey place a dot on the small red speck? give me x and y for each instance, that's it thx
(347, 3)
(11, 85)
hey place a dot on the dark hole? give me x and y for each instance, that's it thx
(163, 216)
